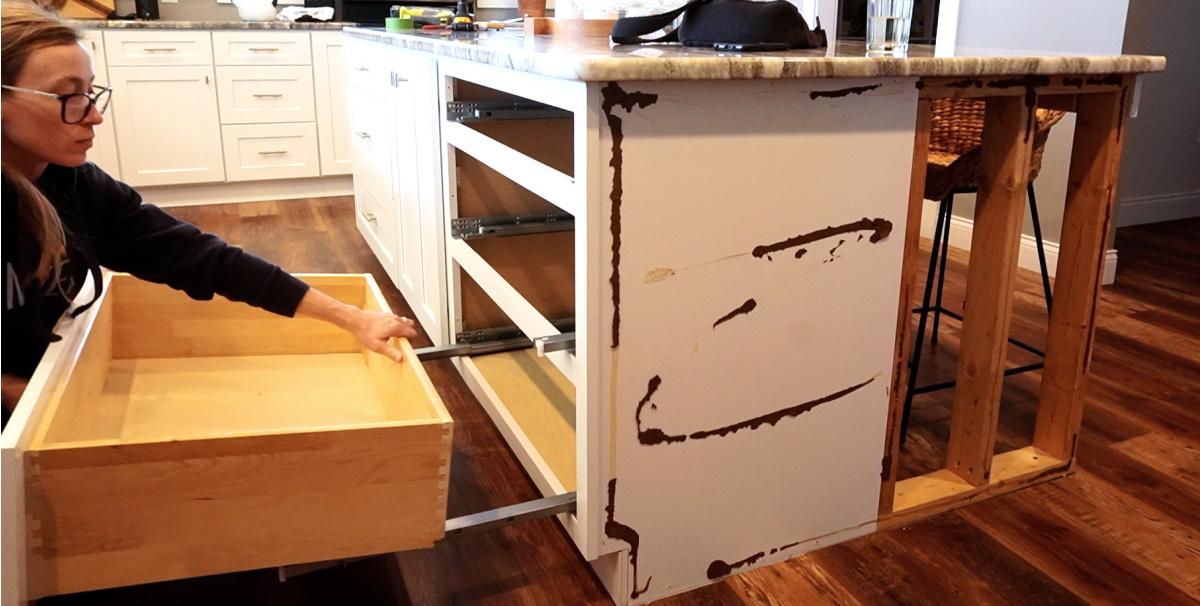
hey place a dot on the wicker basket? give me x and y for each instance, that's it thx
(955, 139)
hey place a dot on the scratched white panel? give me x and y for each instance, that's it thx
(757, 382)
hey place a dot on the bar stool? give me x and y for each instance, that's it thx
(955, 144)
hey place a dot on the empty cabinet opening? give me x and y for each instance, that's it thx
(923, 464)
(158, 365)
(541, 132)
(532, 400)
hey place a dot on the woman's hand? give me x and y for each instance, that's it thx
(374, 328)
(371, 328)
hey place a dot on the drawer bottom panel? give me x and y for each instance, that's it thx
(533, 405)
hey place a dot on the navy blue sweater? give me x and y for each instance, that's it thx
(106, 223)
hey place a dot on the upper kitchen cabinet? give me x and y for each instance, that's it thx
(333, 118)
(104, 149)
(165, 106)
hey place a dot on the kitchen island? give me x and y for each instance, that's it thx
(728, 242)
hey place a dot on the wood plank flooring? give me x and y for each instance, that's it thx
(1124, 529)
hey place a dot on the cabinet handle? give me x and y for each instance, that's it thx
(370, 218)
(268, 94)
(265, 49)
(165, 49)
(362, 69)
(363, 135)
(272, 152)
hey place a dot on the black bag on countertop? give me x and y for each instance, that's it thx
(744, 25)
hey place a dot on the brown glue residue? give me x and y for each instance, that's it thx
(615, 96)
(842, 92)
(721, 568)
(616, 530)
(654, 435)
(881, 229)
(745, 308)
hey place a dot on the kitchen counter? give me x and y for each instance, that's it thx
(595, 60)
(273, 25)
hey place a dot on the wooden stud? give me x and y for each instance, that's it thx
(908, 281)
(995, 242)
(1091, 187)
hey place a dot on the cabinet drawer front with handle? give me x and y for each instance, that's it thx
(366, 71)
(270, 151)
(158, 47)
(262, 48)
(264, 95)
(371, 145)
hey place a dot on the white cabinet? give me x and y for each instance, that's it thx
(165, 106)
(167, 125)
(104, 149)
(393, 144)
(265, 94)
(333, 117)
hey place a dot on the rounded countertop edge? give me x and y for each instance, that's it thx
(211, 25)
(599, 65)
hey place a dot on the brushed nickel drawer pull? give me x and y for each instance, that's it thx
(362, 69)
(165, 49)
(268, 94)
(368, 217)
(272, 152)
(363, 135)
(271, 49)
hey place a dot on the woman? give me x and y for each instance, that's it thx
(64, 217)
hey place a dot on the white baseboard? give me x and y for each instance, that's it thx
(1154, 209)
(960, 237)
(247, 191)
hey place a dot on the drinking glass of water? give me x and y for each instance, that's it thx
(888, 24)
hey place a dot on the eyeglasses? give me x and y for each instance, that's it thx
(75, 106)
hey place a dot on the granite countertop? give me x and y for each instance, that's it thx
(130, 24)
(595, 60)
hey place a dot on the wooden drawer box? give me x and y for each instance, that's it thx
(178, 438)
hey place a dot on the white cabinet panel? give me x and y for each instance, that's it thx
(371, 142)
(377, 227)
(266, 94)
(104, 148)
(333, 116)
(261, 48)
(270, 151)
(166, 122)
(158, 47)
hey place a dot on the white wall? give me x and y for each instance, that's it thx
(1078, 26)
(1160, 166)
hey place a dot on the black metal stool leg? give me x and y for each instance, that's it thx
(915, 362)
(1041, 249)
(941, 282)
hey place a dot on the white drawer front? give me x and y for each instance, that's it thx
(264, 95)
(371, 144)
(366, 69)
(158, 47)
(271, 151)
(262, 48)
(377, 227)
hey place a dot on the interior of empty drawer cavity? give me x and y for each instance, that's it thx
(539, 131)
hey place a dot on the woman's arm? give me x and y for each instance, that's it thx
(371, 328)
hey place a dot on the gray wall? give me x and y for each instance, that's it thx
(1160, 165)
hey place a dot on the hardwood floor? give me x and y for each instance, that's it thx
(1124, 529)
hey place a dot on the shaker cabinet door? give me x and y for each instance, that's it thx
(166, 120)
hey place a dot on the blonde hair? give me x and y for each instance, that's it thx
(24, 28)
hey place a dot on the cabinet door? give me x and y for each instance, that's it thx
(104, 149)
(333, 116)
(166, 121)
(419, 250)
